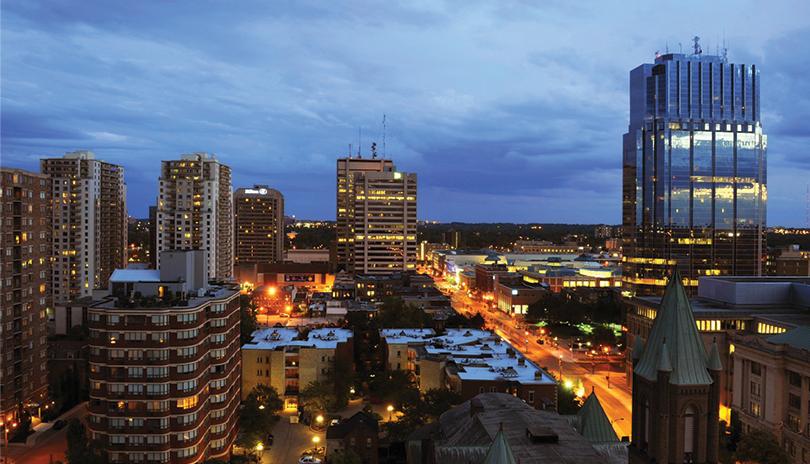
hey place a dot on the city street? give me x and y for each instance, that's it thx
(50, 445)
(616, 400)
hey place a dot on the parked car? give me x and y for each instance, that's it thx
(540, 341)
(278, 324)
(309, 460)
(60, 424)
(269, 440)
(283, 315)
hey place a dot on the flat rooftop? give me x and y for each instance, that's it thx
(275, 338)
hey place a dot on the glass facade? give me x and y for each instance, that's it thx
(694, 165)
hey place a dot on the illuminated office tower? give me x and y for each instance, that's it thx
(694, 190)
(89, 223)
(259, 225)
(195, 211)
(348, 169)
(25, 281)
(384, 222)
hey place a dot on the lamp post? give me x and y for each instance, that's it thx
(561, 377)
(390, 412)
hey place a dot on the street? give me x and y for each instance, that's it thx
(616, 400)
(50, 446)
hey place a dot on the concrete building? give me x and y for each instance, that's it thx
(258, 225)
(384, 222)
(289, 360)
(349, 172)
(496, 428)
(772, 386)
(195, 211)
(514, 297)
(89, 223)
(544, 246)
(694, 172)
(25, 288)
(788, 261)
(165, 364)
(676, 388)
(469, 362)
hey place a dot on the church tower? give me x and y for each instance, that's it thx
(676, 388)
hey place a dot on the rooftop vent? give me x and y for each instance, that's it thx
(537, 434)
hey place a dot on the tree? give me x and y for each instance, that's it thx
(602, 335)
(80, 450)
(394, 312)
(317, 397)
(249, 322)
(345, 456)
(395, 386)
(260, 411)
(418, 410)
(342, 378)
(760, 447)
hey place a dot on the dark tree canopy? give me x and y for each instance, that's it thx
(760, 447)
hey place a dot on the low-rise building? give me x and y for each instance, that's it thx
(469, 362)
(515, 297)
(359, 433)
(289, 359)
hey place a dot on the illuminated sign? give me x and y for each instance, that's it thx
(261, 191)
(299, 277)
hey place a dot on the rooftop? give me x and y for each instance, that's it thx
(275, 338)
(135, 275)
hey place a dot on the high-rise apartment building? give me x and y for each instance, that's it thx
(258, 225)
(165, 365)
(25, 281)
(348, 170)
(89, 223)
(195, 210)
(695, 174)
(384, 222)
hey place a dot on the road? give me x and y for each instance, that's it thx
(50, 446)
(616, 400)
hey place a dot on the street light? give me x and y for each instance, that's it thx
(390, 412)
(561, 377)
(320, 420)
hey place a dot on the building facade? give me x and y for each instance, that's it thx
(165, 369)
(195, 210)
(89, 223)
(258, 225)
(695, 172)
(25, 288)
(349, 170)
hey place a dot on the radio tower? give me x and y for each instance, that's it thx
(807, 208)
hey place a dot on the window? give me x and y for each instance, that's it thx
(794, 401)
(756, 368)
(187, 403)
(756, 388)
(187, 436)
(187, 318)
(117, 440)
(755, 409)
(187, 368)
(689, 431)
(531, 396)
(188, 452)
(795, 379)
(135, 389)
(160, 320)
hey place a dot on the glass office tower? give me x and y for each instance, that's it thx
(694, 192)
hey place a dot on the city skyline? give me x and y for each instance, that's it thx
(278, 93)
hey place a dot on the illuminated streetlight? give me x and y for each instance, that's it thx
(259, 447)
(390, 412)
(272, 291)
(316, 440)
(319, 419)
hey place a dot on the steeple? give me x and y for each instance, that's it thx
(675, 325)
(500, 452)
(638, 348)
(594, 424)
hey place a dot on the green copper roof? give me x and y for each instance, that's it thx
(500, 452)
(797, 338)
(638, 348)
(714, 359)
(664, 364)
(594, 423)
(675, 325)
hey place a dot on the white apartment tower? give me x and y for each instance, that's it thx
(376, 217)
(195, 210)
(89, 223)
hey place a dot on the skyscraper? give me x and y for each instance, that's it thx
(89, 223)
(195, 210)
(347, 170)
(259, 225)
(25, 281)
(694, 192)
(376, 214)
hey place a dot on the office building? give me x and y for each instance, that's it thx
(25, 288)
(165, 364)
(289, 360)
(195, 211)
(384, 222)
(695, 170)
(349, 170)
(676, 388)
(258, 225)
(89, 223)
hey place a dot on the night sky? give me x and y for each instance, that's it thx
(509, 111)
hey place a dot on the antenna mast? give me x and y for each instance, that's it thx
(350, 151)
(359, 142)
(698, 50)
(383, 135)
(807, 223)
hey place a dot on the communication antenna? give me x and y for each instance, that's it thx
(373, 150)
(698, 50)
(807, 223)
(667, 46)
(680, 48)
(350, 151)
(359, 142)
(383, 135)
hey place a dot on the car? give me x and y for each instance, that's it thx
(540, 341)
(269, 441)
(309, 460)
(60, 424)
(278, 324)
(283, 315)
(334, 422)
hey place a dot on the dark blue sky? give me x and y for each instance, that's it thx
(508, 111)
